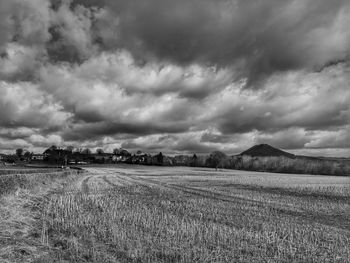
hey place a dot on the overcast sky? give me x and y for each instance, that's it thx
(178, 76)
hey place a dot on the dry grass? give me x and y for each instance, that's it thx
(21, 197)
(18, 179)
(24, 170)
(139, 214)
(196, 215)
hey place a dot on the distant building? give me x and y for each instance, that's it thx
(119, 158)
(140, 158)
(122, 155)
(38, 157)
(11, 158)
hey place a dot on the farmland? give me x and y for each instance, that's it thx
(148, 214)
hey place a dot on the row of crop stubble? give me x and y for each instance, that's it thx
(148, 223)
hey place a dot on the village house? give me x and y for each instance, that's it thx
(38, 157)
(120, 158)
(141, 159)
(8, 158)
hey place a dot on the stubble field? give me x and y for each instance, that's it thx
(148, 214)
(157, 214)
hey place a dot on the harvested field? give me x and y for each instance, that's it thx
(143, 214)
(148, 214)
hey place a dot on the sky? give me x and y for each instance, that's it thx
(177, 76)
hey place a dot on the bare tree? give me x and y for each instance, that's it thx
(216, 158)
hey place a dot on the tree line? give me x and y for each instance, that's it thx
(216, 160)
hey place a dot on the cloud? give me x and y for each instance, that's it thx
(16, 133)
(200, 142)
(10, 146)
(292, 138)
(24, 105)
(172, 76)
(258, 38)
(19, 63)
(331, 139)
(72, 37)
(6, 24)
(187, 143)
(45, 141)
(314, 101)
(31, 21)
(110, 94)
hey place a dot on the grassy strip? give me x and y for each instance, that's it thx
(21, 199)
(13, 182)
(27, 171)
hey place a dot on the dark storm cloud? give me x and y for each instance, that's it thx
(216, 138)
(194, 147)
(271, 119)
(92, 131)
(88, 116)
(72, 36)
(169, 144)
(293, 138)
(314, 101)
(259, 37)
(6, 25)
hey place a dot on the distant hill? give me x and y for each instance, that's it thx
(266, 150)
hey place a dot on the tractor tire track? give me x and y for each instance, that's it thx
(195, 191)
(113, 185)
(84, 185)
(338, 221)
